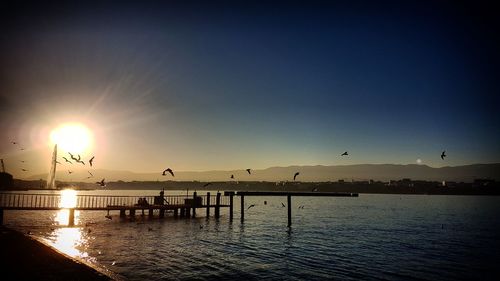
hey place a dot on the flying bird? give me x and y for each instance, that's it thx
(207, 184)
(344, 154)
(70, 172)
(168, 170)
(443, 155)
(248, 170)
(79, 161)
(296, 174)
(22, 161)
(90, 173)
(22, 148)
(91, 160)
(101, 183)
(13, 142)
(283, 205)
(66, 159)
(72, 156)
(79, 158)
(253, 205)
(24, 170)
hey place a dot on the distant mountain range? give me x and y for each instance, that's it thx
(378, 172)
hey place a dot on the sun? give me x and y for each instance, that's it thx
(72, 137)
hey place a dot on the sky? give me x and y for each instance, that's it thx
(220, 85)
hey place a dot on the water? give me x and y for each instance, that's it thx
(372, 237)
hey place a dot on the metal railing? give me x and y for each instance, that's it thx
(49, 201)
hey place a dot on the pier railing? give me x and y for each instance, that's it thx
(57, 201)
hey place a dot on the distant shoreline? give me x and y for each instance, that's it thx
(400, 187)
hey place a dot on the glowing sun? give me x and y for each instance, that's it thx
(72, 137)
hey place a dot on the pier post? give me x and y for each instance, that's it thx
(289, 199)
(122, 213)
(194, 204)
(182, 212)
(188, 212)
(217, 205)
(150, 213)
(242, 201)
(231, 207)
(176, 213)
(208, 204)
(71, 220)
(131, 212)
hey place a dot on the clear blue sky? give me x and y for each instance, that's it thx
(228, 85)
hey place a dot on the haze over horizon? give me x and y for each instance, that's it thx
(219, 85)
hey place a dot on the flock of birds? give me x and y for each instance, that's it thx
(73, 159)
(102, 183)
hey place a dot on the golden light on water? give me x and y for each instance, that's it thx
(68, 240)
(68, 198)
(72, 137)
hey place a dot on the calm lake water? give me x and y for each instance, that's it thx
(372, 237)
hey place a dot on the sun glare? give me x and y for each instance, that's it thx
(72, 137)
(68, 198)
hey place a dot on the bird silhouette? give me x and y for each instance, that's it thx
(22, 161)
(344, 154)
(13, 142)
(80, 161)
(248, 170)
(91, 160)
(168, 170)
(101, 183)
(253, 205)
(207, 184)
(443, 155)
(22, 148)
(232, 176)
(90, 173)
(70, 172)
(72, 156)
(24, 170)
(79, 158)
(66, 159)
(296, 174)
(283, 205)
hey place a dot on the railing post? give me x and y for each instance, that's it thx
(289, 199)
(208, 204)
(231, 207)
(71, 221)
(217, 206)
(194, 204)
(242, 201)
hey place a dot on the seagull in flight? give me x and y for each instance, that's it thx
(296, 174)
(253, 205)
(248, 170)
(66, 159)
(344, 154)
(101, 183)
(90, 174)
(80, 161)
(443, 155)
(24, 170)
(283, 205)
(207, 184)
(90, 161)
(72, 156)
(168, 170)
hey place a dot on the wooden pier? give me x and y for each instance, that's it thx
(179, 205)
(288, 195)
